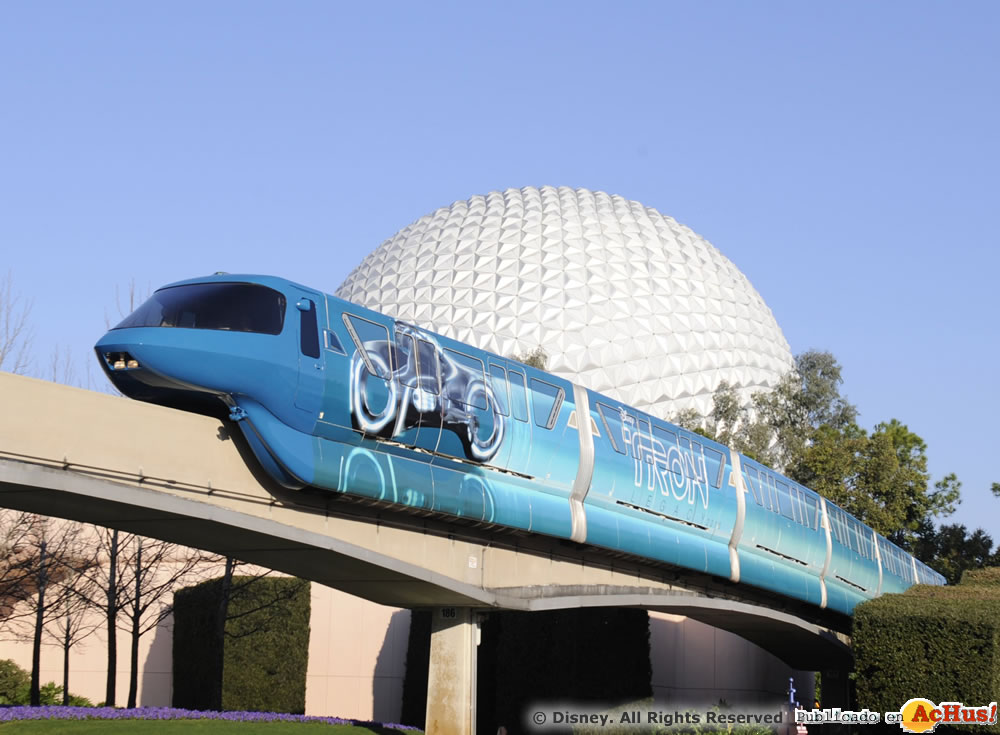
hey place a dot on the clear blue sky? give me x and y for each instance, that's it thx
(843, 154)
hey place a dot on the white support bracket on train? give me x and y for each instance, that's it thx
(736, 476)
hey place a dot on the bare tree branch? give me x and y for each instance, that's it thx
(15, 331)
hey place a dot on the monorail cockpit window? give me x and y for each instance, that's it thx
(231, 307)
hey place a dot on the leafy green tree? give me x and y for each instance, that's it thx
(881, 478)
(805, 399)
(951, 550)
(537, 358)
(13, 680)
(806, 429)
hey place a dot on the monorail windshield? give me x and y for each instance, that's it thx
(235, 307)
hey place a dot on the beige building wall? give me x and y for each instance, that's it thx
(357, 660)
(697, 664)
(357, 657)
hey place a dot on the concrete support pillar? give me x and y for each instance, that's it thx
(451, 679)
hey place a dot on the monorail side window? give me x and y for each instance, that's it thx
(812, 511)
(645, 441)
(546, 400)
(427, 364)
(663, 441)
(713, 461)
(771, 491)
(785, 500)
(498, 378)
(611, 418)
(692, 468)
(754, 482)
(333, 342)
(230, 307)
(406, 355)
(308, 330)
(798, 505)
(372, 343)
(518, 396)
(864, 541)
(466, 376)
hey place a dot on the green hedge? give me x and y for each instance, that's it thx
(989, 576)
(266, 646)
(941, 643)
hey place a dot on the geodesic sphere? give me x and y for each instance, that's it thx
(623, 300)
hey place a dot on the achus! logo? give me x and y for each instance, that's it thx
(922, 715)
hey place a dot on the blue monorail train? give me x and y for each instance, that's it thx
(335, 396)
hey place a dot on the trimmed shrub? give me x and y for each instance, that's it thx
(266, 647)
(13, 679)
(989, 576)
(15, 688)
(941, 643)
(197, 667)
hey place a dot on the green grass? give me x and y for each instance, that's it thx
(183, 727)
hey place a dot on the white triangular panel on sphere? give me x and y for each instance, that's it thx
(624, 300)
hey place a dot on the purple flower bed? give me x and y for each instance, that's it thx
(8, 714)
